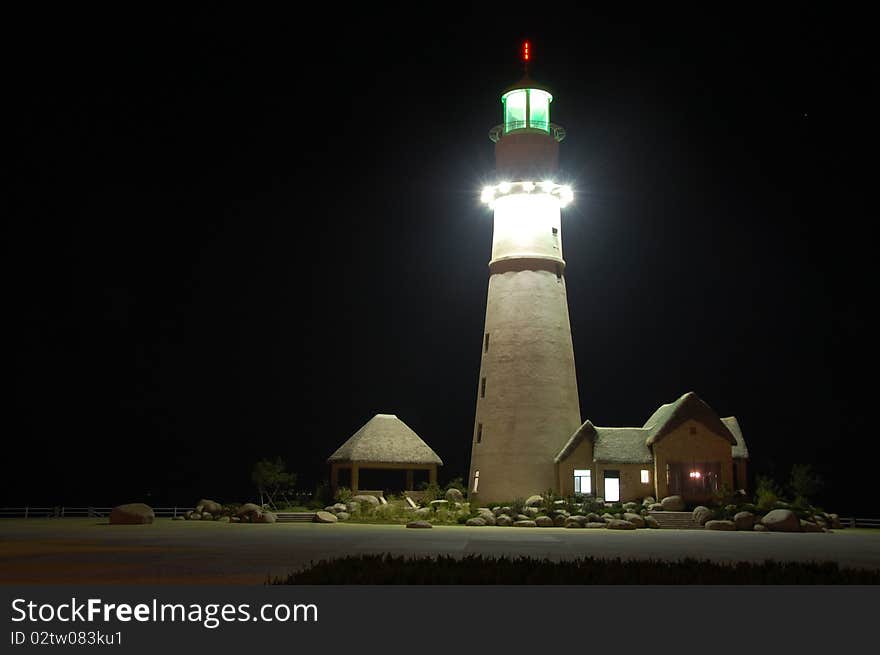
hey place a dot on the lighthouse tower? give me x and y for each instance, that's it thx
(527, 397)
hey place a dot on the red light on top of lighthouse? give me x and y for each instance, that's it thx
(526, 55)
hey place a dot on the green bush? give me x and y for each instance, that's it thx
(767, 493)
(343, 495)
(432, 491)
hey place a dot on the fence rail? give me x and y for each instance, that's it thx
(78, 512)
(853, 522)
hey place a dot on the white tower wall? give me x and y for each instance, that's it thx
(527, 398)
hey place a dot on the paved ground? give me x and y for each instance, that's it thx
(83, 550)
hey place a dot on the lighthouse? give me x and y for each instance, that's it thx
(527, 395)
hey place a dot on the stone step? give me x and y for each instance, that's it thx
(295, 517)
(676, 520)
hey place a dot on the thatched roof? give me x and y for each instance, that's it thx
(385, 439)
(689, 406)
(586, 431)
(622, 446)
(740, 449)
(617, 445)
(634, 445)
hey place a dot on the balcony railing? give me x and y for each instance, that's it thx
(556, 131)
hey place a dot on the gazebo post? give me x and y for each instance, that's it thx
(409, 479)
(354, 478)
(334, 478)
(432, 472)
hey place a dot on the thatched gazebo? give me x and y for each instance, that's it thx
(384, 442)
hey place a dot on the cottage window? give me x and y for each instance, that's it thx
(646, 476)
(476, 480)
(479, 432)
(583, 481)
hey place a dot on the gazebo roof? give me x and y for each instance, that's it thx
(385, 439)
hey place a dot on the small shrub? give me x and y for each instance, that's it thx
(343, 495)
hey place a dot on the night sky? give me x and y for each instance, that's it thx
(240, 235)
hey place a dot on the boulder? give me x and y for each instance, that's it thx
(343, 516)
(339, 507)
(607, 517)
(326, 517)
(648, 500)
(532, 512)
(269, 517)
(419, 524)
(249, 510)
(759, 527)
(592, 517)
(331, 508)
(782, 520)
(132, 514)
(673, 504)
(835, 521)
(423, 512)
(544, 522)
(651, 522)
(453, 495)
(572, 522)
(729, 526)
(594, 524)
(209, 506)
(619, 524)
(352, 507)
(744, 520)
(809, 526)
(533, 501)
(476, 521)
(656, 507)
(560, 520)
(503, 520)
(179, 517)
(522, 517)
(631, 507)
(525, 524)
(635, 519)
(234, 519)
(702, 514)
(489, 518)
(366, 498)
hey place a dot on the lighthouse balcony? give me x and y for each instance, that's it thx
(520, 127)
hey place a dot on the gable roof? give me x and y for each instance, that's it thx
(385, 439)
(689, 406)
(622, 445)
(740, 449)
(586, 431)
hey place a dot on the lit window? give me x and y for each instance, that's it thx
(582, 481)
(479, 432)
(539, 109)
(514, 110)
(483, 388)
(645, 476)
(476, 480)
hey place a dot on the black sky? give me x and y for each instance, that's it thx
(238, 234)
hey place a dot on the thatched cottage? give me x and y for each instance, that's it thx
(684, 449)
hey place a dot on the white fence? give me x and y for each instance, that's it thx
(852, 522)
(78, 512)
